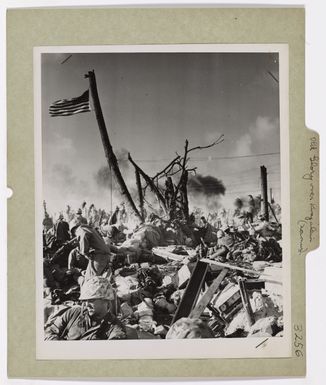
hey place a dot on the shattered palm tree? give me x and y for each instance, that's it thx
(172, 197)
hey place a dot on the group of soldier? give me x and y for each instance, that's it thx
(89, 263)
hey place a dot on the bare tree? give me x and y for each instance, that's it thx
(172, 197)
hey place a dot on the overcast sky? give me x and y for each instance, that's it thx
(151, 104)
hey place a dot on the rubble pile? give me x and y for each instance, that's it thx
(175, 279)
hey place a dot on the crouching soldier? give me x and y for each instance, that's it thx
(77, 263)
(91, 321)
(92, 246)
(225, 243)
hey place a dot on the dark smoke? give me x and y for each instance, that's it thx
(205, 185)
(63, 175)
(103, 175)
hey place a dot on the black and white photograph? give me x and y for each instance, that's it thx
(162, 201)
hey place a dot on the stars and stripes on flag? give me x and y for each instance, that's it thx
(66, 107)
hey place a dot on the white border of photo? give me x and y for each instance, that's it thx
(168, 349)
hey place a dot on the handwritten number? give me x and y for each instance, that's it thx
(298, 336)
(298, 353)
(298, 328)
(298, 345)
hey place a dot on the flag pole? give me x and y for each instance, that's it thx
(109, 153)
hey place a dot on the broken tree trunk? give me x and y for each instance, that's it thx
(263, 176)
(173, 199)
(184, 195)
(179, 198)
(150, 183)
(109, 153)
(168, 195)
(140, 194)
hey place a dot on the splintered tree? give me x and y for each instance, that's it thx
(172, 195)
(108, 150)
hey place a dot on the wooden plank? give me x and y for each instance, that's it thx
(245, 302)
(231, 267)
(192, 291)
(206, 298)
(162, 252)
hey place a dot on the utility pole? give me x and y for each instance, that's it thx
(263, 175)
(271, 195)
(109, 154)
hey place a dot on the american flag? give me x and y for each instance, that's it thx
(66, 107)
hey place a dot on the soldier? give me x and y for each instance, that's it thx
(80, 217)
(207, 231)
(76, 264)
(91, 321)
(92, 246)
(61, 231)
(48, 233)
(239, 214)
(225, 243)
(187, 328)
(251, 208)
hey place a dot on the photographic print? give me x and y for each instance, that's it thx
(162, 201)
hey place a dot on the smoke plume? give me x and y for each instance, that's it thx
(205, 192)
(205, 185)
(104, 177)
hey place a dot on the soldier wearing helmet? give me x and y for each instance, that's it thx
(225, 243)
(91, 321)
(187, 328)
(92, 246)
(239, 215)
(61, 230)
(80, 218)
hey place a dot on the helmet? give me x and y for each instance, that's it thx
(189, 328)
(97, 288)
(238, 202)
(220, 233)
(74, 223)
(251, 231)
